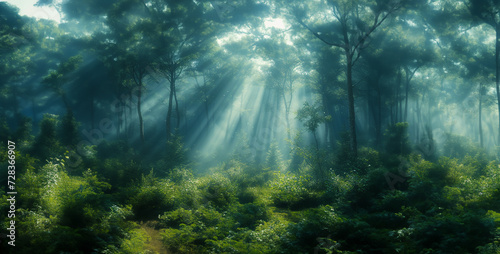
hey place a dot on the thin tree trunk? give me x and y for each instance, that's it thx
(33, 109)
(480, 114)
(406, 93)
(379, 120)
(497, 76)
(419, 119)
(169, 111)
(66, 102)
(398, 97)
(139, 112)
(177, 108)
(352, 113)
(92, 111)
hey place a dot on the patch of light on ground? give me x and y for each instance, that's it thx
(28, 8)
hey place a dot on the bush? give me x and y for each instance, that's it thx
(180, 174)
(290, 191)
(250, 215)
(313, 224)
(190, 234)
(459, 147)
(217, 191)
(152, 198)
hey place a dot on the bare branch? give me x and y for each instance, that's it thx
(319, 37)
(376, 24)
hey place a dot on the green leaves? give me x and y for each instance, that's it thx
(312, 116)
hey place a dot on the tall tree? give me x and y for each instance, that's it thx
(354, 22)
(283, 73)
(181, 30)
(56, 79)
(488, 12)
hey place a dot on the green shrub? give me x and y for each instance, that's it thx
(120, 173)
(250, 215)
(180, 174)
(456, 146)
(217, 191)
(152, 198)
(447, 233)
(190, 234)
(288, 189)
(176, 153)
(174, 219)
(313, 223)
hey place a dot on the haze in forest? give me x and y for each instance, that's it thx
(294, 109)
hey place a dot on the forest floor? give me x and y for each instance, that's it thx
(155, 245)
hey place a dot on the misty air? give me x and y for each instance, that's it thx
(250, 126)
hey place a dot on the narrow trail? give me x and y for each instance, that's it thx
(155, 245)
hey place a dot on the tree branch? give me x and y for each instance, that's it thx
(376, 24)
(319, 37)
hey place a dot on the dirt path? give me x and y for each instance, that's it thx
(155, 245)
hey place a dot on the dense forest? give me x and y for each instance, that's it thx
(264, 126)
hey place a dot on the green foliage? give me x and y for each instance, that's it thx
(313, 223)
(291, 191)
(69, 131)
(217, 191)
(456, 146)
(47, 144)
(194, 230)
(176, 153)
(23, 134)
(4, 129)
(311, 117)
(180, 174)
(120, 173)
(152, 197)
(273, 158)
(117, 149)
(135, 242)
(451, 233)
(397, 141)
(250, 215)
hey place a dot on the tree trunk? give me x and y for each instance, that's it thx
(419, 119)
(480, 114)
(287, 112)
(139, 113)
(352, 113)
(169, 111)
(379, 120)
(66, 102)
(92, 111)
(398, 98)
(33, 109)
(407, 87)
(177, 108)
(497, 74)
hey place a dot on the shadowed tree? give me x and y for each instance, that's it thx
(352, 23)
(56, 79)
(488, 12)
(283, 74)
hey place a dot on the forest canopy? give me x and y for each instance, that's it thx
(265, 126)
